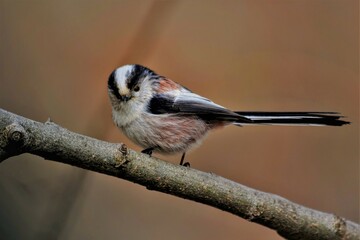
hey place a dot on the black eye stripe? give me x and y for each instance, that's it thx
(137, 73)
(134, 77)
(113, 86)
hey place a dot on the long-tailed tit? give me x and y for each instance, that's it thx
(161, 115)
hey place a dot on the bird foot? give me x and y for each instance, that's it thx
(182, 163)
(148, 151)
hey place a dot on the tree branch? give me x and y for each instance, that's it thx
(21, 135)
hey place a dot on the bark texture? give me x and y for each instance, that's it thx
(48, 140)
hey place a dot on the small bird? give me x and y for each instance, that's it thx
(162, 116)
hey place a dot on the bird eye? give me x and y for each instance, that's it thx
(136, 89)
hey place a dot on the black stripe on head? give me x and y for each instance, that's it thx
(137, 73)
(112, 86)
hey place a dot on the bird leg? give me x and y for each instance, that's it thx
(186, 164)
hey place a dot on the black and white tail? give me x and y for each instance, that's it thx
(293, 118)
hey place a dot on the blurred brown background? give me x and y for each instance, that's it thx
(55, 57)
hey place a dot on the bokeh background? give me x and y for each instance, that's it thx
(55, 57)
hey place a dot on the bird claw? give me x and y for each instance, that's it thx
(148, 151)
(186, 164)
(182, 163)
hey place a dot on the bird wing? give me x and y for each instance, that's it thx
(188, 103)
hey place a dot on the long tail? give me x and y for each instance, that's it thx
(293, 118)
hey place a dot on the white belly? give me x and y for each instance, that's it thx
(165, 133)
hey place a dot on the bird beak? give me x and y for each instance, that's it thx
(124, 98)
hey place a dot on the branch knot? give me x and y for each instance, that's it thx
(15, 134)
(14, 138)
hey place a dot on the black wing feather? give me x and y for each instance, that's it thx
(202, 108)
(162, 104)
